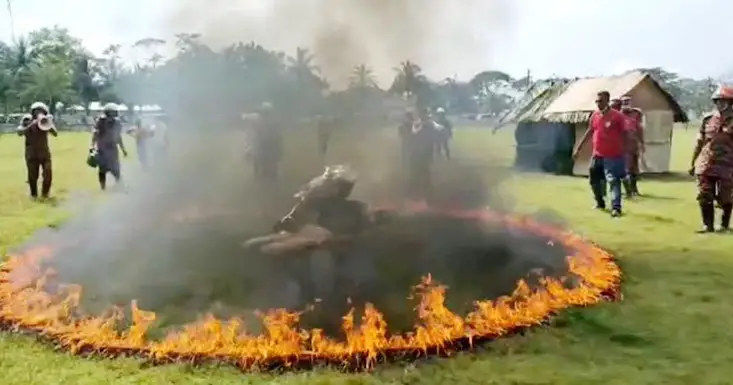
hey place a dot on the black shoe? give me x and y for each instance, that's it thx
(725, 218)
(616, 213)
(707, 212)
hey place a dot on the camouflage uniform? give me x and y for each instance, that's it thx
(324, 203)
(714, 167)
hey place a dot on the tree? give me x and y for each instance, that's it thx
(83, 80)
(150, 46)
(362, 78)
(492, 90)
(410, 83)
(50, 83)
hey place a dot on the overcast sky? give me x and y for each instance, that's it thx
(549, 37)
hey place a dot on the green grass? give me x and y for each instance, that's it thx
(671, 328)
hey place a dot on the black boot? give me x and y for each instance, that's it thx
(33, 187)
(707, 212)
(628, 188)
(634, 181)
(725, 218)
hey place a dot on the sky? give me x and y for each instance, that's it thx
(547, 37)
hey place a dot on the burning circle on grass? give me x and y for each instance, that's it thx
(30, 301)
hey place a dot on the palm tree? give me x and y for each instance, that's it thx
(302, 63)
(362, 78)
(409, 81)
(50, 83)
(150, 45)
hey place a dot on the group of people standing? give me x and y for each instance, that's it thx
(616, 131)
(104, 152)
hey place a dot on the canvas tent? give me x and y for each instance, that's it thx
(553, 117)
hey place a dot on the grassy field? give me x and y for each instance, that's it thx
(671, 328)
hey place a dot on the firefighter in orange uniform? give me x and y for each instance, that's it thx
(712, 161)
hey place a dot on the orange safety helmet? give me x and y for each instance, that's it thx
(723, 92)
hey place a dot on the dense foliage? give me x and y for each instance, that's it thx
(51, 65)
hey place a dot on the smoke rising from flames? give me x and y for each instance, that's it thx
(444, 37)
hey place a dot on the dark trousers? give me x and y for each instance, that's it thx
(419, 177)
(611, 171)
(39, 166)
(442, 147)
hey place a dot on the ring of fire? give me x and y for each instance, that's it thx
(26, 307)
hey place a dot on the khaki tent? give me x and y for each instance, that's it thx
(553, 117)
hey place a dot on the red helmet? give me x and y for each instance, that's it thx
(723, 92)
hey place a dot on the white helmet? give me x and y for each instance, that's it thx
(39, 106)
(440, 110)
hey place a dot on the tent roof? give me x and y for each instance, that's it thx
(573, 101)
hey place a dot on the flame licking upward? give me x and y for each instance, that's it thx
(27, 304)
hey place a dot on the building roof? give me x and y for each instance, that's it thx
(573, 101)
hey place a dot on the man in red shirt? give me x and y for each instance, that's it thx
(607, 128)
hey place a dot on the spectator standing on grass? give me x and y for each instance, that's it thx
(142, 137)
(421, 150)
(160, 139)
(444, 134)
(37, 150)
(616, 104)
(712, 161)
(607, 130)
(267, 147)
(405, 131)
(634, 145)
(326, 125)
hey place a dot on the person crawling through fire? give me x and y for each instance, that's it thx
(324, 214)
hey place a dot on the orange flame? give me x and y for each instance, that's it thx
(26, 305)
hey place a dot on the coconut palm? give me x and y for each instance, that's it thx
(362, 78)
(50, 83)
(409, 81)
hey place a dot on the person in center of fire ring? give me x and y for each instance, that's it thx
(444, 134)
(607, 127)
(421, 149)
(634, 145)
(267, 146)
(37, 150)
(107, 140)
(712, 161)
(324, 215)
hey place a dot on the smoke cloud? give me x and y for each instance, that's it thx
(174, 241)
(445, 38)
